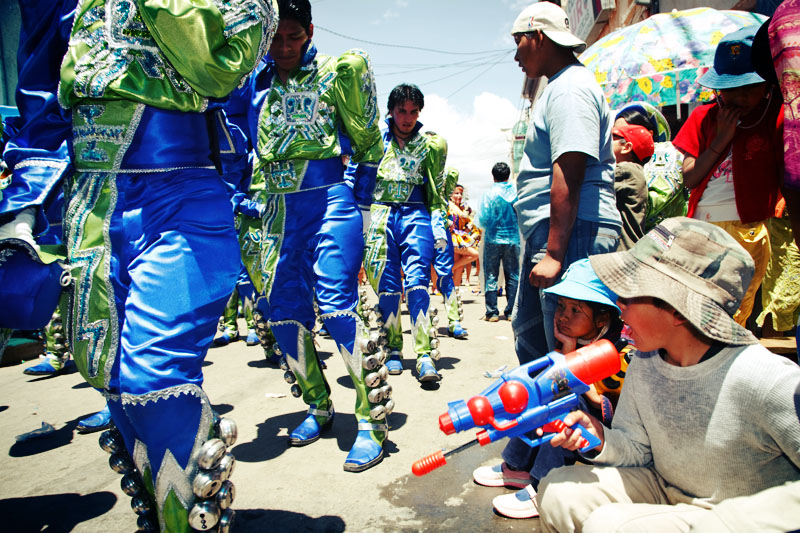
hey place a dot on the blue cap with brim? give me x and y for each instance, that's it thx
(733, 64)
(30, 287)
(580, 282)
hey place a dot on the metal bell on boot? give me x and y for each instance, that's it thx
(225, 495)
(226, 521)
(131, 484)
(226, 466)
(141, 505)
(204, 515)
(210, 454)
(120, 463)
(228, 431)
(111, 441)
(206, 484)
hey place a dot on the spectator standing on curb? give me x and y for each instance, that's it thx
(566, 205)
(501, 240)
(733, 151)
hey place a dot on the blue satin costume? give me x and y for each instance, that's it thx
(407, 215)
(443, 260)
(148, 228)
(309, 242)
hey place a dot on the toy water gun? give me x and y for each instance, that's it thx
(535, 395)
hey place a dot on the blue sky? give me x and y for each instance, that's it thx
(467, 72)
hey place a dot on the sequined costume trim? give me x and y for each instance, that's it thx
(163, 394)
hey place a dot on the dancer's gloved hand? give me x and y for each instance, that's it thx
(440, 244)
(21, 227)
(366, 220)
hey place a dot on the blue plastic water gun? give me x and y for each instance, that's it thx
(535, 395)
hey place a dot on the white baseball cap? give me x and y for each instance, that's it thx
(552, 21)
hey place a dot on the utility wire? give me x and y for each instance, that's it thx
(470, 62)
(405, 46)
(477, 76)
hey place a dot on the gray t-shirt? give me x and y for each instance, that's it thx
(722, 428)
(571, 116)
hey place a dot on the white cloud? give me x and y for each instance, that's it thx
(477, 138)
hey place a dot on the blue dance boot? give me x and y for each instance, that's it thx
(252, 338)
(394, 364)
(51, 365)
(97, 422)
(426, 372)
(227, 337)
(366, 452)
(455, 330)
(310, 429)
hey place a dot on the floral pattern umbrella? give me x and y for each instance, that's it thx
(660, 59)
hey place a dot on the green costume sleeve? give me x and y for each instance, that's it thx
(433, 168)
(450, 182)
(212, 50)
(357, 105)
(169, 54)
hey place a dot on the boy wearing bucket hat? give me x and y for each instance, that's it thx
(733, 150)
(706, 414)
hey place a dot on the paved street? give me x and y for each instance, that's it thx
(62, 482)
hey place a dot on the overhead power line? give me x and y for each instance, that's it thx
(476, 62)
(409, 47)
(481, 73)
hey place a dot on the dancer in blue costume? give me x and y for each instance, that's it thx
(148, 228)
(407, 222)
(307, 111)
(443, 260)
(38, 152)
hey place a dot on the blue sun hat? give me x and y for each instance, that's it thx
(733, 65)
(580, 282)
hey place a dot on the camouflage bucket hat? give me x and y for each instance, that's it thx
(692, 265)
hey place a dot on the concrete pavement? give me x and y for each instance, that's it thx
(63, 483)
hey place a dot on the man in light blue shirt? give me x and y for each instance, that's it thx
(565, 190)
(565, 207)
(501, 240)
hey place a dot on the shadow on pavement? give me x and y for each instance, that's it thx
(54, 512)
(248, 520)
(267, 445)
(222, 408)
(60, 437)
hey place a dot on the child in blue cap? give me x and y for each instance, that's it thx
(586, 312)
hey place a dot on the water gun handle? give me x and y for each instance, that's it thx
(590, 441)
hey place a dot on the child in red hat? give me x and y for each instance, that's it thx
(633, 147)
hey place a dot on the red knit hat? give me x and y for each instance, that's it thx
(639, 137)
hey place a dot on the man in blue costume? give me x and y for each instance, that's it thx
(148, 228)
(306, 111)
(408, 220)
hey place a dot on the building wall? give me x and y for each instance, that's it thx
(625, 14)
